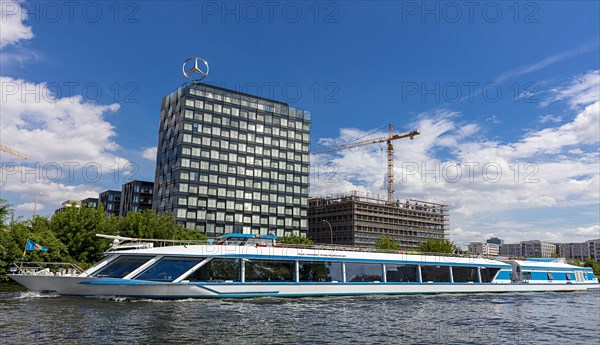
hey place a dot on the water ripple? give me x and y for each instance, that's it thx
(546, 318)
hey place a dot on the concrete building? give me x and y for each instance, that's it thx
(232, 162)
(580, 251)
(136, 196)
(484, 248)
(360, 220)
(68, 203)
(111, 201)
(533, 248)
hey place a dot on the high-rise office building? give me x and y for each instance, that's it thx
(136, 196)
(232, 162)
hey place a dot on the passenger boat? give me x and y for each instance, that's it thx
(243, 265)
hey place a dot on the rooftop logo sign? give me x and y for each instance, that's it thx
(195, 71)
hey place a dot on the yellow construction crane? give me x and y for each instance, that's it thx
(390, 149)
(12, 152)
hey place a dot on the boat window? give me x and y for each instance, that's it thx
(438, 274)
(526, 275)
(568, 276)
(550, 276)
(217, 270)
(233, 241)
(269, 271)
(488, 274)
(168, 268)
(401, 273)
(361, 272)
(316, 271)
(122, 266)
(464, 274)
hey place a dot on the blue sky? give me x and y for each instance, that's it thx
(500, 83)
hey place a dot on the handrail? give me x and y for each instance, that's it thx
(20, 265)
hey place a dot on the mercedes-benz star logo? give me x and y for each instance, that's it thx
(195, 74)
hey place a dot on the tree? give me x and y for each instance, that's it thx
(148, 224)
(589, 262)
(438, 245)
(4, 211)
(386, 242)
(295, 239)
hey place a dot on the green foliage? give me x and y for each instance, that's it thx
(386, 242)
(438, 245)
(295, 239)
(594, 265)
(70, 235)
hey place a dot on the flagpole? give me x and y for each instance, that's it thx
(24, 251)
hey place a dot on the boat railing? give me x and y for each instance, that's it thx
(46, 268)
(120, 243)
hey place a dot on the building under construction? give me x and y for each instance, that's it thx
(357, 219)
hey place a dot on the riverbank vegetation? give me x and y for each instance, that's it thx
(70, 235)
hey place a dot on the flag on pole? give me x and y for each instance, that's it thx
(34, 246)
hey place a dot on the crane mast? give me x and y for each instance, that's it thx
(12, 152)
(390, 149)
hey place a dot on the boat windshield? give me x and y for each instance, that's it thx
(122, 266)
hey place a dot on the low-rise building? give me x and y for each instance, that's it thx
(580, 250)
(357, 219)
(484, 248)
(533, 248)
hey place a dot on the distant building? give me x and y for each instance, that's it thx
(533, 248)
(68, 203)
(90, 202)
(360, 220)
(111, 201)
(495, 240)
(484, 248)
(136, 196)
(580, 251)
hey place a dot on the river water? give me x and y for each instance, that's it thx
(534, 318)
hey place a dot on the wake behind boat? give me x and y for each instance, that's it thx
(244, 265)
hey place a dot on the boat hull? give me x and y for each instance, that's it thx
(89, 286)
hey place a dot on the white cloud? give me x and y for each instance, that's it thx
(50, 129)
(150, 153)
(584, 48)
(592, 231)
(550, 118)
(29, 206)
(12, 16)
(550, 168)
(53, 193)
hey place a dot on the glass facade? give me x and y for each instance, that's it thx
(232, 162)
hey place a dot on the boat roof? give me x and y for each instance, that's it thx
(312, 254)
(226, 236)
(548, 265)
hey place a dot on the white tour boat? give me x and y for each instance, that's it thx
(243, 265)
